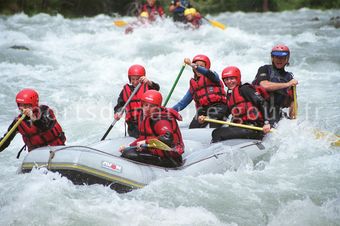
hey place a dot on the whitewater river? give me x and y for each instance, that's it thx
(79, 67)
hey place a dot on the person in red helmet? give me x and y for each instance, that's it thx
(207, 90)
(246, 104)
(149, 12)
(278, 83)
(153, 9)
(160, 123)
(40, 127)
(136, 74)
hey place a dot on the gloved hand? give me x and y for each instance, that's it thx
(117, 116)
(167, 138)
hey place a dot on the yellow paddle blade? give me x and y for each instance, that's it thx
(295, 103)
(217, 24)
(155, 143)
(120, 23)
(336, 143)
(333, 138)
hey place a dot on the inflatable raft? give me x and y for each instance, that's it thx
(100, 163)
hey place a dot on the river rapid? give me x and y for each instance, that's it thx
(79, 66)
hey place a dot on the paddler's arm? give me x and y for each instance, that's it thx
(154, 86)
(119, 105)
(184, 102)
(272, 86)
(211, 75)
(46, 120)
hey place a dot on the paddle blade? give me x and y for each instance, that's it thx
(333, 138)
(336, 143)
(155, 143)
(120, 23)
(217, 24)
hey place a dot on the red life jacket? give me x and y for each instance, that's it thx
(243, 111)
(34, 137)
(147, 131)
(205, 92)
(134, 108)
(262, 91)
(153, 10)
(196, 21)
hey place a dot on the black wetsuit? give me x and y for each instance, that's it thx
(232, 132)
(279, 98)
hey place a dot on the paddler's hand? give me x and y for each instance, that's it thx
(201, 119)
(266, 128)
(144, 79)
(292, 82)
(28, 112)
(187, 61)
(121, 148)
(139, 145)
(117, 116)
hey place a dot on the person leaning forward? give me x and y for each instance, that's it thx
(156, 122)
(39, 128)
(207, 90)
(278, 83)
(153, 10)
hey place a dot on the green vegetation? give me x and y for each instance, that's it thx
(215, 6)
(78, 8)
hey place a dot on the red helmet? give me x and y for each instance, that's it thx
(28, 96)
(232, 71)
(152, 97)
(203, 58)
(136, 70)
(280, 51)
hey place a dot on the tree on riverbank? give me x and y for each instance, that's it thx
(78, 8)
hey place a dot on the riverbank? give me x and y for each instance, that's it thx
(80, 8)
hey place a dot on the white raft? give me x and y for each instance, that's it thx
(100, 163)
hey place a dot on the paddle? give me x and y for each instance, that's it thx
(295, 102)
(153, 143)
(333, 138)
(215, 23)
(12, 129)
(122, 110)
(174, 85)
(212, 22)
(120, 23)
(236, 124)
